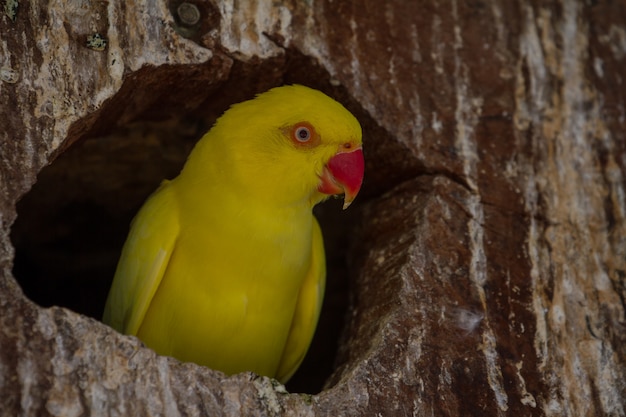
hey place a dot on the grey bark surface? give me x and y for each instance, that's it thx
(487, 260)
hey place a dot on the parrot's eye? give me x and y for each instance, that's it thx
(303, 134)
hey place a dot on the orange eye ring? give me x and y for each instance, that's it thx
(303, 134)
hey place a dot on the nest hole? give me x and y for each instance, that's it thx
(71, 226)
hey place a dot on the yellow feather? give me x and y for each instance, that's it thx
(143, 261)
(224, 265)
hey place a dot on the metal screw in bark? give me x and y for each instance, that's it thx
(188, 14)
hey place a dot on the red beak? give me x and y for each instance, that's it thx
(343, 175)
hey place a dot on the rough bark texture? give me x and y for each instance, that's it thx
(487, 262)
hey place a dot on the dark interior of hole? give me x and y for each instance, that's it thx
(72, 224)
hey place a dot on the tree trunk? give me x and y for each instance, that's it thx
(485, 261)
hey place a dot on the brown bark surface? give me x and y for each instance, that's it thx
(482, 271)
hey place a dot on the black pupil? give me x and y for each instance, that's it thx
(303, 133)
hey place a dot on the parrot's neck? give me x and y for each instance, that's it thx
(220, 171)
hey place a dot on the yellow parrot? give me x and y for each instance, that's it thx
(224, 265)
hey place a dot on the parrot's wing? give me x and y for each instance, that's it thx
(143, 262)
(307, 310)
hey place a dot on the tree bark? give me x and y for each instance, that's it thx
(486, 259)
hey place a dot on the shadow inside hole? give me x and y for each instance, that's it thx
(71, 227)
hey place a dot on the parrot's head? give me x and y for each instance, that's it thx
(292, 144)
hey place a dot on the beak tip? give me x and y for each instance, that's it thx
(343, 175)
(348, 198)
